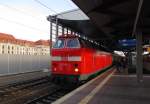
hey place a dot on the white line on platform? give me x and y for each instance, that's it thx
(61, 100)
(128, 75)
(93, 92)
(115, 75)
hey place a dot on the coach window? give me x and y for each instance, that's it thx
(73, 43)
(59, 43)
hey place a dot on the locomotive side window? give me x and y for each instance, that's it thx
(73, 43)
(59, 43)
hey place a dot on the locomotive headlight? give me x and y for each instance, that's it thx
(55, 69)
(76, 70)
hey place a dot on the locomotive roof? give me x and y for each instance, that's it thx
(86, 42)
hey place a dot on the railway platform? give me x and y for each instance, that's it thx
(110, 88)
(15, 78)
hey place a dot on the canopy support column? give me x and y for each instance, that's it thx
(139, 57)
(137, 16)
(71, 32)
(57, 27)
(51, 36)
(129, 61)
(67, 30)
(62, 30)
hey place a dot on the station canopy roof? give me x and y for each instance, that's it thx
(108, 21)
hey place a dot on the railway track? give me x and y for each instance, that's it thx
(35, 91)
(52, 96)
(41, 91)
(18, 93)
(4, 90)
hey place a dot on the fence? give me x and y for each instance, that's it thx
(13, 64)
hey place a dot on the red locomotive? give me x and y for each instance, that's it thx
(76, 59)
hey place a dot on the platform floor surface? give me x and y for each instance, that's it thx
(123, 89)
(119, 89)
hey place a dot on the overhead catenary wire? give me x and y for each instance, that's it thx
(73, 7)
(44, 5)
(18, 23)
(20, 11)
(21, 24)
(69, 3)
(86, 38)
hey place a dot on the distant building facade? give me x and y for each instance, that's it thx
(10, 45)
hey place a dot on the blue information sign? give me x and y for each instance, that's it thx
(128, 42)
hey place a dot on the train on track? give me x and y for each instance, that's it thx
(146, 63)
(76, 60)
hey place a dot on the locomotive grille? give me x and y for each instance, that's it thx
(56, 58)
(74, 58)
(64, 58)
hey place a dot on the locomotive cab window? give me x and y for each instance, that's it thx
(59, 43)
(73, 43)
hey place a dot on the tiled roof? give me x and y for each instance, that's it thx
(5, 38)
(42, 42)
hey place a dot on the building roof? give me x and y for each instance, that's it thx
(42, 42)
(8, 38)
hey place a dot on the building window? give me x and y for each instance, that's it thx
(3, 47)
(8, 47)
(12, 47)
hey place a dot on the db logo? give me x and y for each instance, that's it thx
(64, 58)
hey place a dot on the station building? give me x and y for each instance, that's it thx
(10, 45)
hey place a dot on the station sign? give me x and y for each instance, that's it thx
(128, 42)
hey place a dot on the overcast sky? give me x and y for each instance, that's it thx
(26, 19)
